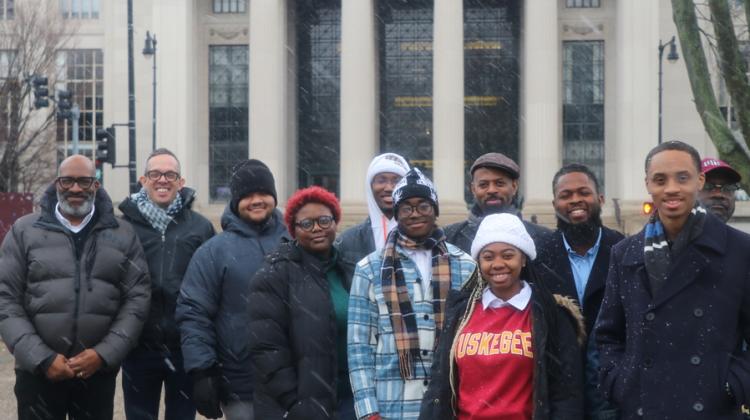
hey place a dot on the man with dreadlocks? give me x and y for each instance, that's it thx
(676, 308)
(397, 304)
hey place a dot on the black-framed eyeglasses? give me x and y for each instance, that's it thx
(726, 188)
(84, 182)
(424, 208)
(308, 224)
(170, 176)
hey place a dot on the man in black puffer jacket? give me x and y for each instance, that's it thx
(212, 307)
(74, 292)
(170, 232)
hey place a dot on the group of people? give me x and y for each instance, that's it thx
(279, 317)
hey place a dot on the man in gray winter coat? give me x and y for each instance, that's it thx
(74, 292)
(212, 309)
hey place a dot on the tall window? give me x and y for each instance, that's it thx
(406, 79)
(319, 61)
(80, 9)
(230, 6)
(491, 49)
(582, 3)
(7, 9)
(227, 114)
(583, 104)
(81, 72)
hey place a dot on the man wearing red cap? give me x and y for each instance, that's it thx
(717, 195)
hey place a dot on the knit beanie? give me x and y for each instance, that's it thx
(414, 184)
(250, 176)
(506, 228)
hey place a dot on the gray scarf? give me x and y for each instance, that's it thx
(157, 216)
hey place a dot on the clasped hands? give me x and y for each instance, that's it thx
(81, 366)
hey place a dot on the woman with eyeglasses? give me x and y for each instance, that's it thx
(298, 318)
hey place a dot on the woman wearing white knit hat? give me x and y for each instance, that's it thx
(510, 349)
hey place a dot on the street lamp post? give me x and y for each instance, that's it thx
(149, 49)
(672, 57)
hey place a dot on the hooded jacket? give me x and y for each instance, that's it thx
(558, 372)
(168, 256)
(53, 302)
(461, 234)
(359, 241)
(212, 306)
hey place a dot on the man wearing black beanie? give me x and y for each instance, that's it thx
(212, 306)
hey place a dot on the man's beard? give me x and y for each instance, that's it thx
(584, 233)
(75, 211)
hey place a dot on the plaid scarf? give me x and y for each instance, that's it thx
(156, 216)
(659, 253)
(396, 293)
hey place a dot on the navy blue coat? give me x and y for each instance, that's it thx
(212, 306)
(669, 356)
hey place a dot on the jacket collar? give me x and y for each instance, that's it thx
(105, 216)
(129, 208)
(714, 238)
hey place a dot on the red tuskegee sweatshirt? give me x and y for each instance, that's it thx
(495, 365)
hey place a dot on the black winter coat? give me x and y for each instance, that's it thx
(53, 302)
(461, 234)
(168, 257)
(670, 356)
(551, 253)
(293, 337)
(558, 371)
(354, 244)
(212, 306)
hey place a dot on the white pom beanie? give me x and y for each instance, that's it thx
(506, 228)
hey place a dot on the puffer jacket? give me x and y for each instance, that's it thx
(293, 330)
(461, 234)
(52, 302)
(212, 306)
(558, 367)
(168, 257)
(354, 244)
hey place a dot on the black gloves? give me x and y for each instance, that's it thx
(206, 392)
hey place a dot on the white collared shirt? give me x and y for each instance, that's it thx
(519, 301)
(423, 260)
(65, 222)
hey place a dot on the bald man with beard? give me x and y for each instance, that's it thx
(74, 292)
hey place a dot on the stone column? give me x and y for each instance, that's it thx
(448, 103)
(174, 26)
(272, 91)
(636, 96)
(541, 106)
(360, 136)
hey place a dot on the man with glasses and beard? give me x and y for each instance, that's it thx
(170, 232)
(717, 195)
(494, 184)
(74, 291)
(575, 260)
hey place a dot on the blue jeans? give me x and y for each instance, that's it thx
(143, 373)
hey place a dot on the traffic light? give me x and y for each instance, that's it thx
(41, 92)
(105, 145)
(64, 103)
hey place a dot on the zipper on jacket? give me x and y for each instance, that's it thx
(77, 287)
